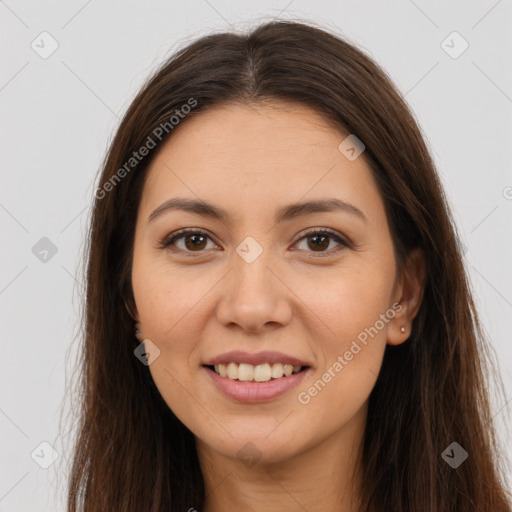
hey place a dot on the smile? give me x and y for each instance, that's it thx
(240, 380)
(257, 373)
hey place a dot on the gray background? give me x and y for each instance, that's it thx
(58, 114)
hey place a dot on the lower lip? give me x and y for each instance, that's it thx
(254, 392)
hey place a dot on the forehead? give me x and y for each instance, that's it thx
(257, 157)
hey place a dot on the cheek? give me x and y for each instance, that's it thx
(341, 386)
(353, 316)
(166, 296)
(348, 300)
(167, 300)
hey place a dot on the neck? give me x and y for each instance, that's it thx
(324, 477)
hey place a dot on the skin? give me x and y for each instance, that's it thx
(295, 298)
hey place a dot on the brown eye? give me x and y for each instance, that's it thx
(193, 241)
(318, 241)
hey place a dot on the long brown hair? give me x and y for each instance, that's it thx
(131, 453)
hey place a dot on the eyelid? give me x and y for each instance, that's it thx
(339, 238)
(333, 234)
(168, 240)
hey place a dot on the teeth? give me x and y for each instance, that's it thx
(262, 373)
(259, 373)
(277, 370)
(232, 371)
(245, 371)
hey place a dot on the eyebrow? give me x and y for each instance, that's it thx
(283, 214)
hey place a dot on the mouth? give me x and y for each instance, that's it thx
(265, 372)
(255, 384)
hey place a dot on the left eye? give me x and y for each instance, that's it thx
(196, 241)
(322, 240)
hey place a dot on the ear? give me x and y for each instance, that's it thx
(409, 293)
(138, 332)
(138, 326)
(135, 313)
(132, 309)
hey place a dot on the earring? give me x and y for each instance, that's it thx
(402, 329)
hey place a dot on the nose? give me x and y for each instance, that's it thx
(254, 296)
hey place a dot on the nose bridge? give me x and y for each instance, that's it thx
(253, 295)
(251, 274)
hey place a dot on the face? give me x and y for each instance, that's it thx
(311, 287)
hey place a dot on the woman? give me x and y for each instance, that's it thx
(269, 221)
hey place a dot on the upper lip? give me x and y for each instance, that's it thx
(238, 356)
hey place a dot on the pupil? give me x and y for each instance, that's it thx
(196, 245)
(323, 246)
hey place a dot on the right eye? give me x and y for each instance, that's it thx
(193, 240)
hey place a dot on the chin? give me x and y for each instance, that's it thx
(255, 448)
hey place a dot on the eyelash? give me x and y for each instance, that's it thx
(333, 235)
